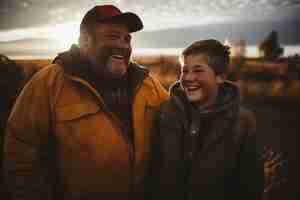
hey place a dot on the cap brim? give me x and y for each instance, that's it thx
(133, 22)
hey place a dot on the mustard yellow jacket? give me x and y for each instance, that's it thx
(62, 142)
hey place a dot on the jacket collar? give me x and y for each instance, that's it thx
(219, 118)
(75, 65)
(227, 102)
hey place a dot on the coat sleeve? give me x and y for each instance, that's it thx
(251, 163)
(152, 176)
(165, 155)
(26, 157)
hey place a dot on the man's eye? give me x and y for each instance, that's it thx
(128, 38)
(113, 36)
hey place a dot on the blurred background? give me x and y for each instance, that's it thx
(39, 29)
(264, 36)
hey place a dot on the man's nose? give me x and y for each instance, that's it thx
(123, 43)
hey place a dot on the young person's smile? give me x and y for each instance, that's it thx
(198, 80)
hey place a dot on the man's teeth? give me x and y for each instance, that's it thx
(117, 56)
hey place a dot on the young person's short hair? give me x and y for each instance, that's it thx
(217, 53)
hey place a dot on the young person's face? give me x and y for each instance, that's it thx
(198, 80)
(109, 49)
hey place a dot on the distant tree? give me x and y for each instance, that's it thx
(240, 48)
(238, 57)
(270, 47)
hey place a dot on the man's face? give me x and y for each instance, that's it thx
(110, 49)
(198, 80)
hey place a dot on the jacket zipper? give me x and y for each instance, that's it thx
(129, 141)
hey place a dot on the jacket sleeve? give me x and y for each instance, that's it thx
(152, 177)
(165, 155)
(251, 163)
(25, 164)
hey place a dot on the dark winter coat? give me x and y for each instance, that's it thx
(208, 154)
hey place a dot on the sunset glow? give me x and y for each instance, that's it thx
(65, 34)
(43, 28)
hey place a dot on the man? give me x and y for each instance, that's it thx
(205, 144)
(80, 128)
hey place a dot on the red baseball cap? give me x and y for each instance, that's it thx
(106, 13)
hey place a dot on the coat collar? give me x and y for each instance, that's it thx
(214, 123)
(75, 65)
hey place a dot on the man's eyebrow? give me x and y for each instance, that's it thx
(118, 32)
(114, 32)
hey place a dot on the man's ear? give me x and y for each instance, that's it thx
(221, 78)
(83, 40)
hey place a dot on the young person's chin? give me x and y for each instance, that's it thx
(195, 95)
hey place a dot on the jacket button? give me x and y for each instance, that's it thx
(193, 132)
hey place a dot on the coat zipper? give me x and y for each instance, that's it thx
(129, 141)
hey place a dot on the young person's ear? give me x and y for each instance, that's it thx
(83, 40)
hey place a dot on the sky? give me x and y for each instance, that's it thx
(60, 19)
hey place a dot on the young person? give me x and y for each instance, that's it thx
(204, 140)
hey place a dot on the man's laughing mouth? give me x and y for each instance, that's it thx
(192, 88)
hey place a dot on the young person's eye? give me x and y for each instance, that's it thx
(112, 36)
(198, 70)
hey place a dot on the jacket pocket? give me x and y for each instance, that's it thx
(75, 111)
(149, 116)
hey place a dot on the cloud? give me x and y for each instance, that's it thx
(156, 14)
